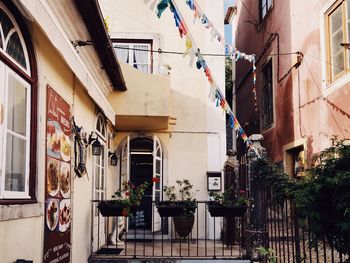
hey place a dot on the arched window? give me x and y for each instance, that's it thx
(17, 108)
(101, 126)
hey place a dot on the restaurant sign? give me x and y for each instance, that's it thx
(57, 233)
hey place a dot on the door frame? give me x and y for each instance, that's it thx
(126, 142)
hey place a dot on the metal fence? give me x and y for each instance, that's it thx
(210, 237)
(289, 237)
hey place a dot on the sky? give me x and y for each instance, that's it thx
(228, 28)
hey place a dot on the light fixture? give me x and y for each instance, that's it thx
(96, 145)
(345, 45)
(114, 158)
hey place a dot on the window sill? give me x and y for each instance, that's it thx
(335, 85)
(20, 211)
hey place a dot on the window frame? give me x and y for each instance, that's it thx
(30, 77)
(264, 126)
(342, 4)
(267, 11)
(133, 42)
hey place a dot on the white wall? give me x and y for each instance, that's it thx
(196, 143)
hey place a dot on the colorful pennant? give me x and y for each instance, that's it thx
(215, 93)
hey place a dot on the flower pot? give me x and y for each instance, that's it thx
(177, 208)
(219, 210)
(108, 208)
(183, 225)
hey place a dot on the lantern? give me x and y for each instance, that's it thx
(96, 147)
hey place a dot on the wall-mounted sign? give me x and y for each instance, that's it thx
(214, 181)
(57, 234)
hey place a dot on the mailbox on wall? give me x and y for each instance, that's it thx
(214, 181)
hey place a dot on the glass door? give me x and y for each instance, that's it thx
(99, 191)
(157, 182)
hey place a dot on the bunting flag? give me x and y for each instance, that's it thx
(234, 53)
(188, 46)
(215, 93)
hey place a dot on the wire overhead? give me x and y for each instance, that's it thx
(161, 51)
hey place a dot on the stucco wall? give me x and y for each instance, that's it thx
(306, 108)
(21, 235)
(191, 152)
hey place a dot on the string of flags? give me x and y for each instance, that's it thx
(234, 53)
(215, 93)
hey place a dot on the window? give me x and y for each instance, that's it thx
(295, 162)
(267, 95)
(338, 31)
(135, 53)
(17, 112)
(264, 7)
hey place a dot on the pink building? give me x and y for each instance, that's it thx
(303, 78)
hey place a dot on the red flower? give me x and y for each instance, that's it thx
(125, 212)
(155, 180)
(241, 191)
(127, 193)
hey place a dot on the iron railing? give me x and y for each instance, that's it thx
(289, 237)
(207, 239)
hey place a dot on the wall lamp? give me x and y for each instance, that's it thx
(113, 158)
(96, 145)
(345, 45)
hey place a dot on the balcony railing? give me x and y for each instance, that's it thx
(210, 237)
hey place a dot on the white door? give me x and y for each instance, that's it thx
(99, 184)
(125, 169)
(99, 191)
(157, 185)
(2, 116)
(125, 163)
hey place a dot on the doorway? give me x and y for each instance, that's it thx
(141, 171)
(142, 162)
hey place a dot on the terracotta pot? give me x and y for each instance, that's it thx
(183, 225)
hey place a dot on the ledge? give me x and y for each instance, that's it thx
(13, 212)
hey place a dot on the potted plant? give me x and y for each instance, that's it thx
(225, 205)
(181, 205)
(123, 199)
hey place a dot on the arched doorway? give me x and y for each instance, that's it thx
(142, 161)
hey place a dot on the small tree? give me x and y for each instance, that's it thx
(324, 196)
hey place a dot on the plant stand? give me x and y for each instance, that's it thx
(175, 209)
(219, 210)
(110, 209)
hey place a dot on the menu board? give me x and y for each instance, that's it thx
(57, 233)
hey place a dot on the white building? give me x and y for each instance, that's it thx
(159, 123)
(168, 102)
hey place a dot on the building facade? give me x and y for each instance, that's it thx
(167, 101)
(63, 90)
(302, 80)
(47, 87)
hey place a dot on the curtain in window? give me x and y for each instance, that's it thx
(5, 23)
(15, 50)
(337, 52)
(122, 53)
(141, 58)
(1, 41)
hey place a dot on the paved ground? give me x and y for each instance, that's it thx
(174, 252)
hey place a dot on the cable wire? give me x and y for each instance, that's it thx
(160, 51)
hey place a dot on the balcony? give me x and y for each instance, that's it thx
(145, 105)
(205, 241)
